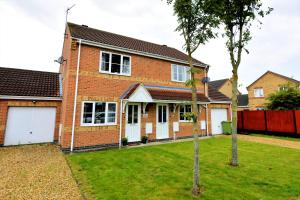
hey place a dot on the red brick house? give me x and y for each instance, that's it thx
(115, 86)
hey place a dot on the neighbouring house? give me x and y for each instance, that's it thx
(111, 87)
(224, 86)
(30, 104)
(243, 102)
(265, 85)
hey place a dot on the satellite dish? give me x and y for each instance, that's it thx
(60, 60)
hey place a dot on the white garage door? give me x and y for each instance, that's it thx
(217, 116)
(28, 125)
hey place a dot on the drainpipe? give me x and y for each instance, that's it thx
(75, 97)
(206, 118)
(120, 131)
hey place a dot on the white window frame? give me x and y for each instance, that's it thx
(261, 93)
(121, 64)
(93, 114)
(186, 69)
(184, 106)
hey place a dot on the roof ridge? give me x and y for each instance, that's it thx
(29, 70)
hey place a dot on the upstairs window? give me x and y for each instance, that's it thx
(183, 110)
(99, 113)
(258, 92)
(180, 73)
(115, 63)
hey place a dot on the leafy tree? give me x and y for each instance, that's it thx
(237, 17)
(287, 98)
(196, 27)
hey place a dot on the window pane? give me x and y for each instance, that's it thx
(164, 113)
(99, 113)
(188, 73)
(105, 62)
(180, 73)
(115, 63)
(181, 113)
(129, 117)
(87, 113)
(174, 72)
(111, 113)
(188, 108)
(159, 114)
(126, 65)
(135, 114)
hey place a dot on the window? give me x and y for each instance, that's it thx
(99, 113)
(115, 63)
(180, 73)
(258, 92)
(183, 110)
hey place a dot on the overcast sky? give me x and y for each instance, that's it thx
(31, 34)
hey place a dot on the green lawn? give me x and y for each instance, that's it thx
(165, 172)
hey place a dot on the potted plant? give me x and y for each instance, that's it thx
(124, 141)
(144, 139)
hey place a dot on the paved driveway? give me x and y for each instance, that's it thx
(35, 172)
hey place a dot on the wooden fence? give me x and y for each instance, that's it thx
(281, 121)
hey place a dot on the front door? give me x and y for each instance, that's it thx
(162, 118)
(133, 122)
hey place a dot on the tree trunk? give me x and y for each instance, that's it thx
(234, 159)
(196, 174)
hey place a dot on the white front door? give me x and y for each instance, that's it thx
(133, 122)
(162, 124)
(217, 117)
(28, 125)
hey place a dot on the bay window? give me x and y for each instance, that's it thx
(180, 73)
(113, 63)
(99, 113)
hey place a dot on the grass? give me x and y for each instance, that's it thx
(165, 172)
(276, 137)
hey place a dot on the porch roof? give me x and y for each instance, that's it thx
(165, 93)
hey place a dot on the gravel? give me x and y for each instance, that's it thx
(36, 172)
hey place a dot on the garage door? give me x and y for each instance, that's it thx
(217, 116)
(28, 125)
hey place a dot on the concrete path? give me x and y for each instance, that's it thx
(272, 141)
(36, 172)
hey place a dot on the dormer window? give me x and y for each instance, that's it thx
(180, 73)
(113, 63)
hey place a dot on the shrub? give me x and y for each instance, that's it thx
(144, 139)
(124, 141)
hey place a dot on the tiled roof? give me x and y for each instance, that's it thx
(179, 94)
(20, 82)
(103, 37)
(243, 100)
(217, 83)
(215, 95)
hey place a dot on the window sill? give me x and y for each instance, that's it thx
(178, 81)
(104, 72)
(185, 121)
(114, 124)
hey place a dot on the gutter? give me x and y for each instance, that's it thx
(31, 98)
(75, 97)
(107, 46)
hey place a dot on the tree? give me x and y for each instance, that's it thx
(237, 17)
(196, 27)
(287, 98)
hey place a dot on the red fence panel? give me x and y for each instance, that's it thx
(240, 120)
(280, 121)
(254, 120)
(297, 115)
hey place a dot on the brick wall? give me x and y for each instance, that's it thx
(96, 86)
(5, 104)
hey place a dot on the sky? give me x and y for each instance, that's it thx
(31, 34)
